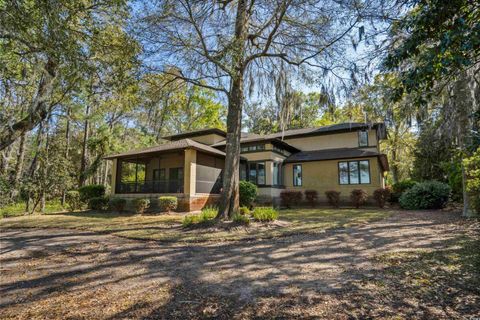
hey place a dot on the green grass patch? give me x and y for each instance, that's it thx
(18, 209)
(170, 228)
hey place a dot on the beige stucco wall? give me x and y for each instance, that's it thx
(167, 161)
(323, 175)
(208, 139)
(114, 176)
(331, 141)
(190, 171)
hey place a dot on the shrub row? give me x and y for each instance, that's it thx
(357, 196)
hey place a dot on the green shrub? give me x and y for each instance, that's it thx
(167, 203)
(91, 191)
(476, 203)
(381, 196)
(290, 197)
(358, 197)
(426, 195)
(265, 214)
(241, 219)
(244, 211)
(399, 188)
(333, 197)
(72, 198)
(98, 203)
(141, 204)
(248, 193)
(311, 196)
(207, 215)
(117, 204)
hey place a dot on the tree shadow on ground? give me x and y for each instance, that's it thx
(335, 272)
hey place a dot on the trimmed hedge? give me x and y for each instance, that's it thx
(358, 197)
(72, 198)
(426, 195)
(265, 214)
(333, 197)
(311, 196)
(167, 203)
(248, 193)
(91, 191)
(117, 204)
(381, 196)
(98, 203)
(141, 204)
(290, 197)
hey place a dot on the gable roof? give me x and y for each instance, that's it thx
(336, 154)
(171, 146)
(195, 133)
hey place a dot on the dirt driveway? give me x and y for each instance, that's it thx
(364, 271)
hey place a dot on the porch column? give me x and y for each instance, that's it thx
(190, 172)
(114, 175)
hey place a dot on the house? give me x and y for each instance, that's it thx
(189, 165)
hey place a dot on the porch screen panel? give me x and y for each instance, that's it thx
(209, 179)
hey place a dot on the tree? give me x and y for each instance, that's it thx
(44, 47)
(228, 46)
(435, 50)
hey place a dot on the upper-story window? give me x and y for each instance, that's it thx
(251, 148)
(363, 138)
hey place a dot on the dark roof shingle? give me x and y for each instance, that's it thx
(171, 146)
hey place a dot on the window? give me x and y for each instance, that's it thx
(277, 174)
(354, 172)
(297, 175)
(159, 174)
(363, 138)
(176, 174)
(256, 173)
(253, 148)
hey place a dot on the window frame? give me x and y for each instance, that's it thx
(301, 175)
(359, 172)
(160, 170)
(359, 138)
(256, 163)
(278, 164)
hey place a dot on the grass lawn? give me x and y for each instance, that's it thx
(169, 228)
(18, 209)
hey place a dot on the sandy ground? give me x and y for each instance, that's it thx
(68, 274)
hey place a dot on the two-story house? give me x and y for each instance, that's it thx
(189, 165)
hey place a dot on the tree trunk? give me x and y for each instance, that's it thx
(83, 165)
(229, 202)
(67, 147)
(18, 167)
(40, 108)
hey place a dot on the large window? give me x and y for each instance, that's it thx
(354, 172)
(297, 175)
(277, 174)
(363, 138)
(256, 173)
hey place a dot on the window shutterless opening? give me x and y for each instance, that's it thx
(363, 138)
(297, 175)
(354, 172)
